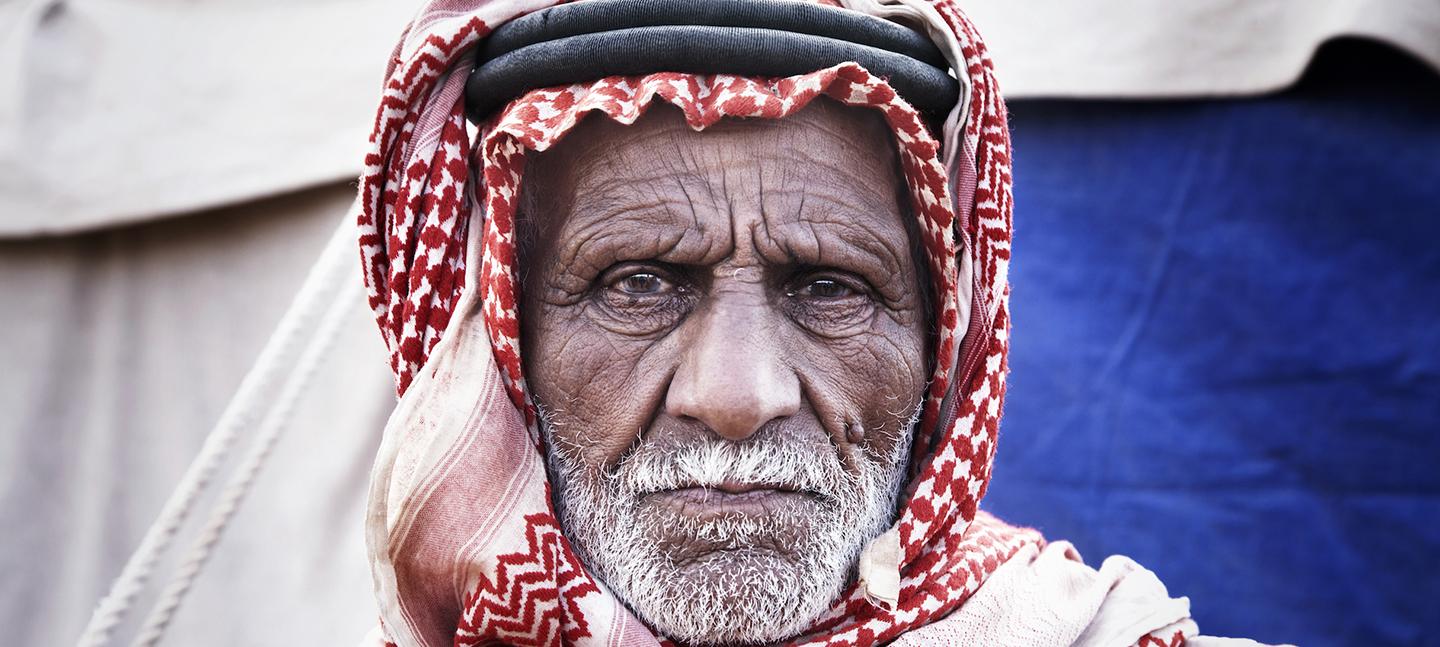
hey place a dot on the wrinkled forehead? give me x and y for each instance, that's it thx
(842, 155)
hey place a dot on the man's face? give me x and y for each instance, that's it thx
(726, 334)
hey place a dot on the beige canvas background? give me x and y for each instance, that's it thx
(169, 170)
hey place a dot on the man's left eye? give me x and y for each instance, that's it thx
(826, 289)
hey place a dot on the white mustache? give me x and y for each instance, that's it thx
(716, 463)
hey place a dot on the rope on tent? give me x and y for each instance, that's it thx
(308, 312)
(274, 424)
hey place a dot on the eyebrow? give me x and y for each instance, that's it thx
(846, 245)
(613, 229)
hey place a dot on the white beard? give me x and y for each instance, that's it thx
(749, 593)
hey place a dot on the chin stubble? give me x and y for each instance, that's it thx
(748, 593)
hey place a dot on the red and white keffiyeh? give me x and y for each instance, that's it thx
(464, 541)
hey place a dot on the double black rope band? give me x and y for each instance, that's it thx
(564, 21)
(584, 41)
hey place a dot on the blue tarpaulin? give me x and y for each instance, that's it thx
(1226, 351)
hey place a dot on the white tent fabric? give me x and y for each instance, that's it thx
(124, 110)
(116, 111)
(1142, 48)
(125, 343)
(124, 347)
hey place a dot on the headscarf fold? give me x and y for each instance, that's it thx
(462, 534)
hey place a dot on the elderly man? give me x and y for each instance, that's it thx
(701, 339)
(756, 298)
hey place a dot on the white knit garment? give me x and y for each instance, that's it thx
(1049, 598)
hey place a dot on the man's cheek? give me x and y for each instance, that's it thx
(875, 378)
(596, 387)
(885, 356)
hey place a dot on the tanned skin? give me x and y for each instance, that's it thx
(757, 277)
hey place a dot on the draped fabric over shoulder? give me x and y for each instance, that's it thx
(463, 538)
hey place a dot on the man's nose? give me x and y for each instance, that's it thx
(732, 377)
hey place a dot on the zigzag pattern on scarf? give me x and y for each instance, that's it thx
(531, 598)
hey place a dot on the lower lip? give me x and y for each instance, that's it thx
(706, 503)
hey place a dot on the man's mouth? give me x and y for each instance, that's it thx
(739, 487)
(728, 499)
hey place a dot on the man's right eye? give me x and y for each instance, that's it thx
(641, 299)
(637, 283)
(641, 284)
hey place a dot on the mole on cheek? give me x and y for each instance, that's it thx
(854, 432)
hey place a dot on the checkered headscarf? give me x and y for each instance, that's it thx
(465, 542)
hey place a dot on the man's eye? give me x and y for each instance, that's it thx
(830, 305)
(826, 289)
(641, 284)
(640, 300)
